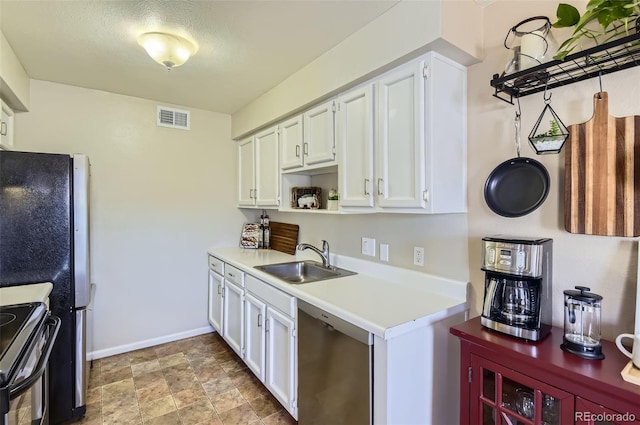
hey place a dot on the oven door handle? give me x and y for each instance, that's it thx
(53, 323)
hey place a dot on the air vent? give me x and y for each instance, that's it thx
(174, 118)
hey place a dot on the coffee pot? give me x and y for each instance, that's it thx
(582, 310)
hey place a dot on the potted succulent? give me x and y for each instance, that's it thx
(332, 201)
(550, 141)
(603, 21)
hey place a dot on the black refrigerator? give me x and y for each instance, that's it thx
(44, 237)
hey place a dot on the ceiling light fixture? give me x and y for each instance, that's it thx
(169, 50)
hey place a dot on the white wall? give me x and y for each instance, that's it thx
(159, 198)
(605, 264)
(444, 237)
(405, 31)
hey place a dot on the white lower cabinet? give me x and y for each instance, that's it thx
(255, 311)
(216, 291)
(216, 288)
(233, 316)
(258, 322)
(270, 339)
(281, 359)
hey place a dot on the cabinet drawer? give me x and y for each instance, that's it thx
(216, 265)
(234, 275)
(272, 296)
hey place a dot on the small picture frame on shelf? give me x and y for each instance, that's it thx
(306, 198)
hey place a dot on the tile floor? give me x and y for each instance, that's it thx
(195, 381)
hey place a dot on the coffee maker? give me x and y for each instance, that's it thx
(517, 287)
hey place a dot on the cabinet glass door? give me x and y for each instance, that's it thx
(506, 397)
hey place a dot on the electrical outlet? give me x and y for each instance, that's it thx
(384, 252)
(418, 256)
(369, 247)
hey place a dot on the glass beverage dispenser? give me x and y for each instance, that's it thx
(582, 323)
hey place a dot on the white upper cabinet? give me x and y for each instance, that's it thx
(246, 174)
(308, 139)
(6, 127)
(396, 143)
(291, 143)
(419, 147)
(354, 138)
(400, 138)
(319, 138)
(258, 176)
(267, 172)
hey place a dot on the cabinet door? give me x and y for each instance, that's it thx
(216, 289)
(354, 124)
(280, 368)
(267, 171)
(246, 176)
(291, 143)
(590, 413)
(233, 316)
(400, 138)
(254, 348)
(6, 127)
(319, 138)
(500, 396)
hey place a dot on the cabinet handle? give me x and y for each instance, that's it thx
(306, 148)
(219, 289)
(297, 151)
(260, 320)
(3, 128)
(366, 186)
(379, 191)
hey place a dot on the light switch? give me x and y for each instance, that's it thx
(369, 247)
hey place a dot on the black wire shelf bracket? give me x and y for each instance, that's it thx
(616, 55)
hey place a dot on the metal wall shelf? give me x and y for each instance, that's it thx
(606, 58)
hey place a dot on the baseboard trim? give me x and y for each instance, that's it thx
(98, 354)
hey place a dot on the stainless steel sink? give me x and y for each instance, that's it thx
(303, 271)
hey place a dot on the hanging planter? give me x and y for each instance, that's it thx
(549, 133)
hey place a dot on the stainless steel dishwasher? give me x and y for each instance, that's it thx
(335, 369)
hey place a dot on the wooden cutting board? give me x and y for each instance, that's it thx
(283, 237)
(602, 174)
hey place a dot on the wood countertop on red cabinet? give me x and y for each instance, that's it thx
(596, 380)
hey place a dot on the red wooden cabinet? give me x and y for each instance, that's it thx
(590, 413)
(510, 381)
(499, 392)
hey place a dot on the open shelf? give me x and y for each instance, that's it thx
(603, 59)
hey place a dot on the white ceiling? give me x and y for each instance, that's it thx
(245, 47)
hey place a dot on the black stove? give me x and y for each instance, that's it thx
(27, 334)
(19, 325)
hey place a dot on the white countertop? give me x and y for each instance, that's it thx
(36, 292)
(384, 300)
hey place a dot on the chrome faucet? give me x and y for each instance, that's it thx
(324, 253)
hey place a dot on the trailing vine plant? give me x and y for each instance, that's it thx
(615, 18)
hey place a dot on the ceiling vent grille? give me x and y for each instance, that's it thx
(174, 118)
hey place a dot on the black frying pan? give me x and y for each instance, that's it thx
(517, 186)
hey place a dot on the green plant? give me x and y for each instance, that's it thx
(333, 195)
(554, 130)
(615, 17)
